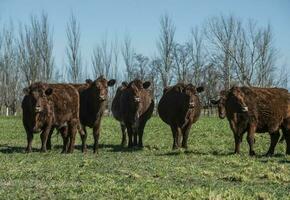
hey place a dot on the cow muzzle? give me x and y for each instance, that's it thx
(137, 99)
(102, 98)
(245, 109)
(191, 105)
(38, 109)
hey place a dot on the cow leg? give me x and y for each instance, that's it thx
(185, 133)
(48, 144)
(286, 133)
(238, 140)
(44, 137)
(274, 140)
(135, 135)
(130, 135)
(29, 136)
(176, 136)
(64, 134)
(96, 133)
(84, 139)
(72, 128)
(251, 139)
(124, 140)
(140, 134)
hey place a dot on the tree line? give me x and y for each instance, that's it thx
(222, 52)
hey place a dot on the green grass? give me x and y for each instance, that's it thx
(207, 171)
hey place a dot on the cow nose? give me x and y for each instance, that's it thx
(245, 109)
(38, 109)
(191, 104)
(137, 99)
(102, 98)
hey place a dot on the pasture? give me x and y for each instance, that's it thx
(208, 170)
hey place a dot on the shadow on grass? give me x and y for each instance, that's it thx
(111, 147)
(6, 149)
(193, 152)
(284, 161)
(278, 155)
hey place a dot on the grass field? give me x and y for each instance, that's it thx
(208, 170)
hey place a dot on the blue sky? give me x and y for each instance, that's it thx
(140, 19)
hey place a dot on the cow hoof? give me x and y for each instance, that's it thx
(123, 143)
(252, 153)
(269, 154)
(43, 150)
(28, 150)
(174, 147)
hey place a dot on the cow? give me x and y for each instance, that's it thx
(251, 110)
(49, 106)
(93, 102)
(135, 106)
(180, 107)
(116, 110)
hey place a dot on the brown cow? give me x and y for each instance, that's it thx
(251, 109)
(136, 106)
(93, 102)
(180, 107)
(49, 106)
(116, 110)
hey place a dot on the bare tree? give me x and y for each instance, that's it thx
(140, 69)
(220, 32)
(165, 47)
(266, 64)
(29, 53)
(73, 51)
(198, 56)
(46, 47)
(102, 59)
(128, 57)
(10, 76)
(182, 63)
(35, 47)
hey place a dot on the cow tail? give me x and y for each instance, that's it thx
(80, 130)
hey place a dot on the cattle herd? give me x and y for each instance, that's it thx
(70, 108)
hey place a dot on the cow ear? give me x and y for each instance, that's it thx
(26, 91)
(89, 81)
(48, 91)
(214, 102)
(146, 84)
(111, 82)
(165, 89)
(200, 89)
(125, 84)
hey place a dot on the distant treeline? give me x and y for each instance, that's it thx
(222, 52)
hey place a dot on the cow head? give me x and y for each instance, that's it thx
(236, 97)
(135, 88)
(40, 104)
(221, 102)
(133, 98)
(190, 92)
(100, 88)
